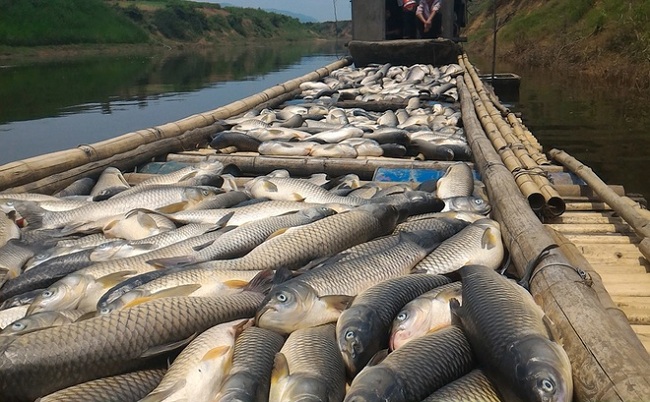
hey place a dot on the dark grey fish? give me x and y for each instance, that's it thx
(363, 328)
(250, 376)
(21, 299)
(78, 187)
(393, 150)
(413, 372)
(242, 141)
(472, 387)
(508, 334)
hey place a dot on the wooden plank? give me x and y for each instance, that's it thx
(619, 268)
(587, 206)
(364, 168)
(628, 289)
(643, 332)
(584, 218)
(616, 238)
(595, 228)
(616, 252)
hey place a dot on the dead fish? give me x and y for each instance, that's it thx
(517, 354)
(415, 371)
(319, 295)
(123, 387)
(334, 151)
(243, 142)
(388, 119)
(478, 243)
(196, 374)
(282, 148)
(309, 367)
(474, 386)
(42, 362)
(8, 229)
(471, 204)
(11, 314)
(110, 182)
(250, 375)
(78, 187)
(338, 135)
(426, 313)
(458, 181)
(135, 225)
(38, 321)
(291, 189)
(362, 329)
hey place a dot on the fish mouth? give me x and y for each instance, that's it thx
(263, 311)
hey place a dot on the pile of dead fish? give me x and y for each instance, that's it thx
(280, 289)
(315, 126)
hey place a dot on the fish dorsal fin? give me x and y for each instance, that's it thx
(181, 290)
(113, 279)
(337, 302)
(167, 347)
(378, 358)
(489, 240)
(280, 368)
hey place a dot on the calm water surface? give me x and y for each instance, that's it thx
(52, 106)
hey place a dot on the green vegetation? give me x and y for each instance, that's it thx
(603, 34)
(55, 22)
(60, 22)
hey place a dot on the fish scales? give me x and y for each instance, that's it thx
(510, 338)
(363, 328)
(445, 227)
(479, 242)
(284, 188)
(250, 376)
(315, 367)
(42, 362)
(299, 245)
(472, 387)
(414, 371)
(123, 387)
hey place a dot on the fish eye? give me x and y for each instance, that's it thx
(104, 310)
(40, 256)
(281, 297)
(478, 201)
(349, 335)
(205, 192)
(546, 385)
(47, 293)
(402, 316)
(18, 326)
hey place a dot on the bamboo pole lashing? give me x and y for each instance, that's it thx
(605, 366)
(36, 168)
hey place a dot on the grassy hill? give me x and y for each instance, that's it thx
(62, 22)
(610, 37)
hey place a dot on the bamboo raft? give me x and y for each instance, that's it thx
(594, 284)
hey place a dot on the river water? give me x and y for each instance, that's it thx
(49, 106)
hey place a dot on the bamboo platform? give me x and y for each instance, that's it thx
(610, 246)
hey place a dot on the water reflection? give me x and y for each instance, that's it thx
(58, 105)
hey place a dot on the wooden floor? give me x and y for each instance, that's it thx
(609, 245)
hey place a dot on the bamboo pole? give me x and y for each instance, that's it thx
(36, 168)
(639, 223)
(605, 365)
(301, 166)
(552, 202)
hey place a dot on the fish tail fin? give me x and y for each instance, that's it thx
(262, 282)
(32, 213)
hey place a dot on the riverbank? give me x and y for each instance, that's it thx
(607, 40)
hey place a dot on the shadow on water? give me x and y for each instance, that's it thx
(603, 124)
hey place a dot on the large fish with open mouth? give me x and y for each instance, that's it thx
(39, 363)
(508, 334)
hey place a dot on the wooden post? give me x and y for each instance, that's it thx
(639, 223)
(605, 365)
(447, 10)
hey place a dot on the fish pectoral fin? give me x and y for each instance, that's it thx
(167, 347)
(235, 283)
(163, 394)
(489, 240)
(551, 329)
(224, 220)
(113, 279)
(456, 311)
(204, 245)
(146, 221)
(175, 207)
(269, 187)
(182, 290)
(378, 357)
(216, 353)
(277, 233)
(337, 302)
(280, 368)
(171, 261)
(297, 197)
